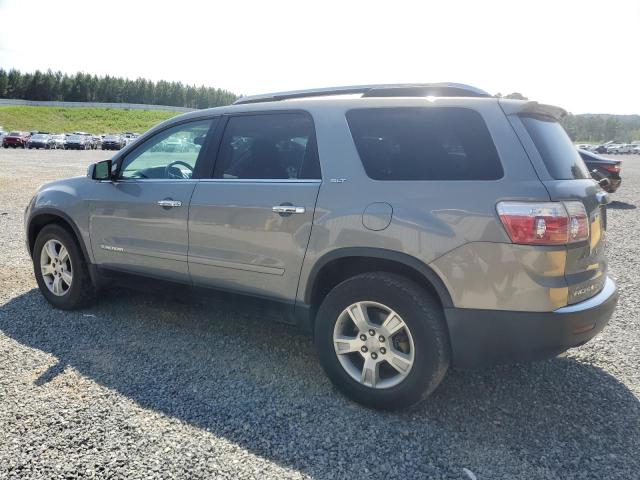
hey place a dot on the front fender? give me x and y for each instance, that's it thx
(66, 200)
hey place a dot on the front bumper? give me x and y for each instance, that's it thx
(485, 337)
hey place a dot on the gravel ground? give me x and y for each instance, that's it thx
(144, 387)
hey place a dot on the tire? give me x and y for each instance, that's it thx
(425, 333)
(81, 291)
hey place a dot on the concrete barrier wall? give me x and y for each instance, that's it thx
(123, 106)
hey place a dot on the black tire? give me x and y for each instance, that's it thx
(81, 292)
(424, 318)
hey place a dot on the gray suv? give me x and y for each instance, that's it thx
(408, 228)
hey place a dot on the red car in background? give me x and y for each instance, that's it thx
(16, 140)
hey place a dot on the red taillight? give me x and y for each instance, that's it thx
(612, 168)
(544, 223)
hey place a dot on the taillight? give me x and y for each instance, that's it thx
(612, 168)
(544, 223)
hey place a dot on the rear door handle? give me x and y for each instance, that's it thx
(287, 209)
(168, 203)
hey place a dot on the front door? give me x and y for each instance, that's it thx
(249, 226)
(138, 223)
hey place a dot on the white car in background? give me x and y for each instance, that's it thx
(613, 147)
(625, 148)
(58, 140)
(2, 135)
(619, 148)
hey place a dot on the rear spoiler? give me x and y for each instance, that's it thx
(519, 107)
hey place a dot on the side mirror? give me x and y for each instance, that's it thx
(102, 170)
(199, 140)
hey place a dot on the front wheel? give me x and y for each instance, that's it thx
(60, 269)
(382, 340)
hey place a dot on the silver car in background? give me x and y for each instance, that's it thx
(58, 140)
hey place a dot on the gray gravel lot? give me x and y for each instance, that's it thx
(139, 386)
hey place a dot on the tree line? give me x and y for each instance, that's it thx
(594, 128)
(84, 87)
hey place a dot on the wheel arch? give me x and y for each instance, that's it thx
(338, 265)
(48, 216)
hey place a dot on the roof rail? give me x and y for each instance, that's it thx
(390, 90)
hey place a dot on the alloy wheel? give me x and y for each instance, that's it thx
(56, 267)
(373, 344)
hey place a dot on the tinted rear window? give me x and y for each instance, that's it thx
(559, 155)
(424, 144)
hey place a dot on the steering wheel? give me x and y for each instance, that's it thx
(138, 174)
(169, 171)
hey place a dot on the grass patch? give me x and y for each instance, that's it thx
(93, 120)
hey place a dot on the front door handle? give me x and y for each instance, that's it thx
(168, 203)
(287, 209)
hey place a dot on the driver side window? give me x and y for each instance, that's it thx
(170, 154)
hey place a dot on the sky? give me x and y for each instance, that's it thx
(580, 55)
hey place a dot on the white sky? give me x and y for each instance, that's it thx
(581, 55)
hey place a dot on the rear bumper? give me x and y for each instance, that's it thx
(484, 337)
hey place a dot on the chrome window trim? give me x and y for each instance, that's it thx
(259, 180)
(149, 180)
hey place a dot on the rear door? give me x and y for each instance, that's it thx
(249, 225)
(566, 177)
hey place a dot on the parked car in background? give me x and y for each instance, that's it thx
(625, 148)
(129, 137)
(112, 142)
(619, 148)
(601, 167)
(78, 142)
(16, 139)
(96, 142)
(599, 149)
(636, 149)
(58, 140)
(612, 148)
(40, 140)
(407, 235)
(2, 135)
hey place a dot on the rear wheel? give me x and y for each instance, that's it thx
(60, 269)
(382, 340)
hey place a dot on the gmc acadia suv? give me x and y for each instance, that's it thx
(409, 228)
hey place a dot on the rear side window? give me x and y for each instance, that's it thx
(424, 144)
(278, 146)
(559, 155)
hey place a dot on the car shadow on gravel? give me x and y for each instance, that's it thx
(221, 369)
(618, 205)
